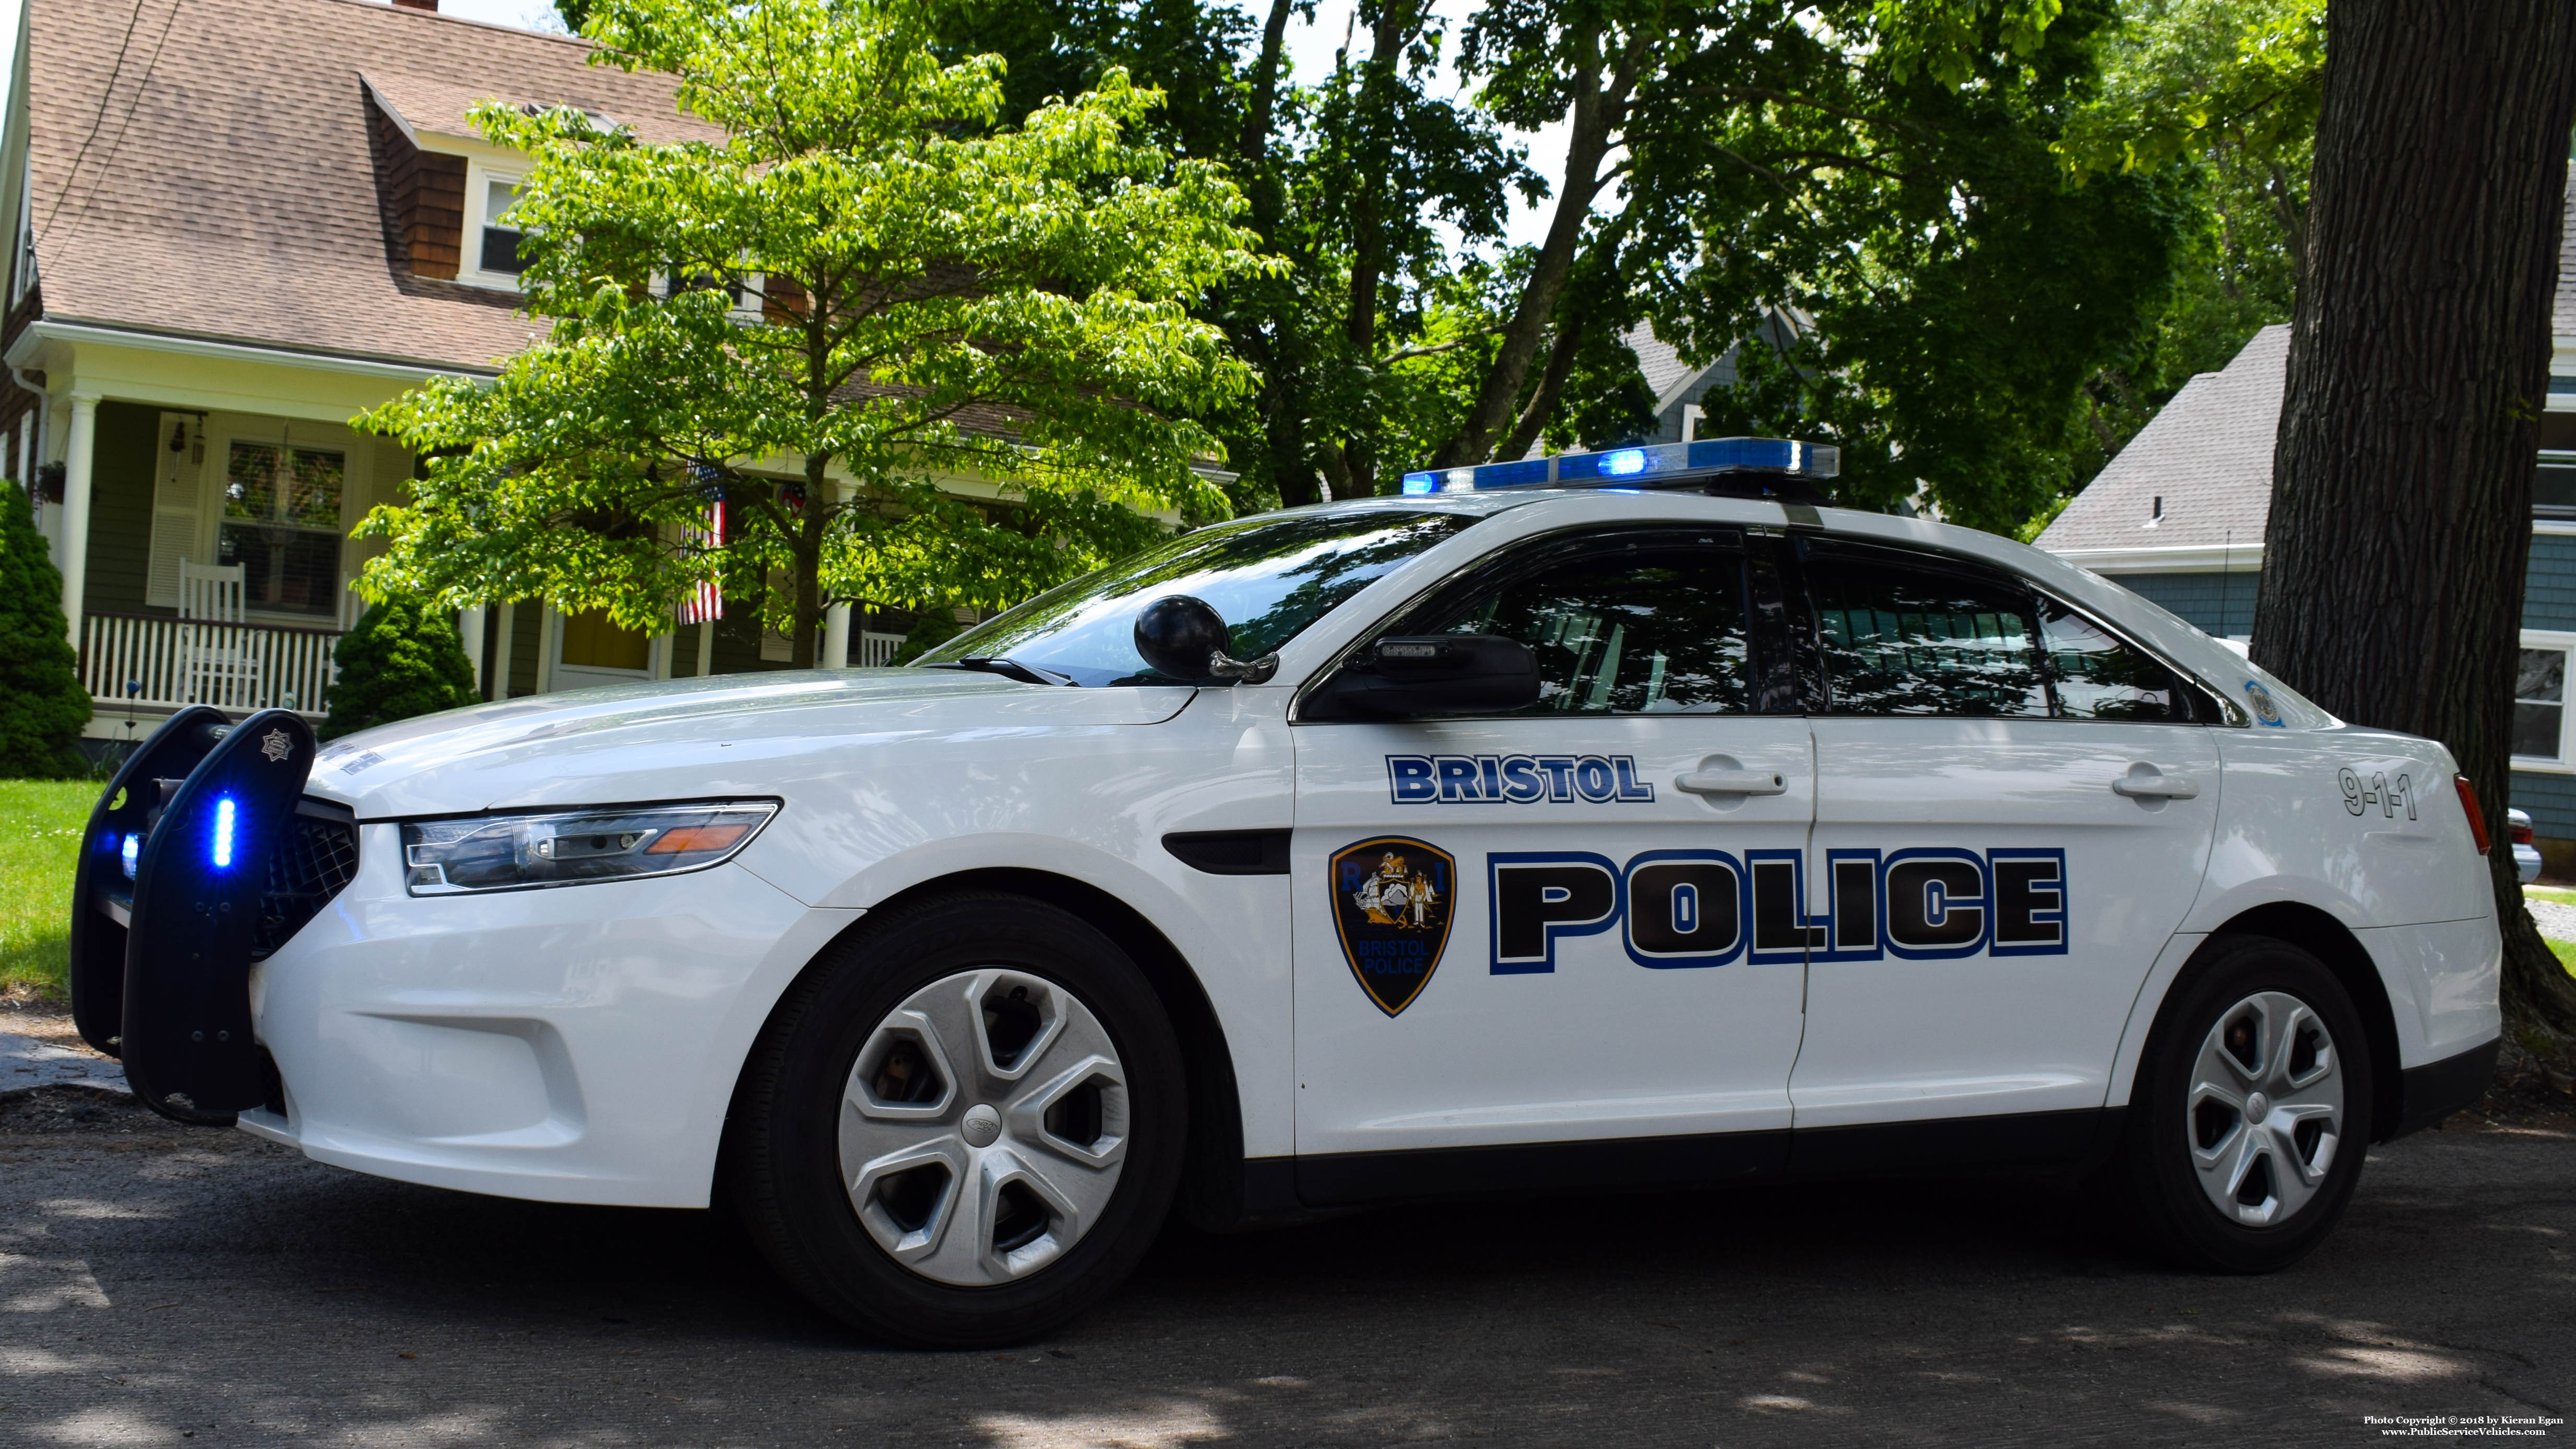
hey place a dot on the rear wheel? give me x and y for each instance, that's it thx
(2251, 1114)
(965, 1126)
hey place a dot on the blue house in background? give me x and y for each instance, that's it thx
(2178, 517)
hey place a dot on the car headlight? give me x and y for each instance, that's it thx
(572, 847)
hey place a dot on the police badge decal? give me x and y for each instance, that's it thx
(1391, 903)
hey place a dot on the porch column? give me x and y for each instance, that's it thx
(549, 644)
(469, 631)
(80, 449)
(502, 650)
(706, 647)
(661, 655)
(836, 637)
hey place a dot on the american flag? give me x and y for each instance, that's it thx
(705, 603)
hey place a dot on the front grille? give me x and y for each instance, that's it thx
(313, 860)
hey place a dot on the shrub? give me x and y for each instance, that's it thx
(400, 661)
(42, 704)
(933, 628)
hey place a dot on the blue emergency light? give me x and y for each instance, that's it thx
(1699, 464)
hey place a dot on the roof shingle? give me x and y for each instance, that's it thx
(209, 174)
(2208, 455)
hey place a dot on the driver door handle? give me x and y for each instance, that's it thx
(2157, 787)
(1733, 782)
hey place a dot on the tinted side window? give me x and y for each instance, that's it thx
(2098, 677)
(1899, 638)
(1656, 630)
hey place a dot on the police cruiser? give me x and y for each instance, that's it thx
(1611, 819)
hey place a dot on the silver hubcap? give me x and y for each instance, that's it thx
(2266, 1109)
(983, 1127)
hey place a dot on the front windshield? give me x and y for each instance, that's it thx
(1269, 577)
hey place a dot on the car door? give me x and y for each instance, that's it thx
(2014, 809)
(1565, 924)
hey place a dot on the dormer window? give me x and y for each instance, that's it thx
(500, 254)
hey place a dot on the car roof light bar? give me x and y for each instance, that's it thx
(1725, 465)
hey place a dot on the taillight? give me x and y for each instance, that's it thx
(2477, 817)
(2521, 833)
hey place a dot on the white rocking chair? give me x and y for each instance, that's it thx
(221, 655)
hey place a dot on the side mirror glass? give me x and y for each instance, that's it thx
(1420, 676)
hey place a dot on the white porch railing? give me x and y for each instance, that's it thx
(875, 650)
(161, 663)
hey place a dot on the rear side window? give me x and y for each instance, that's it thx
(1904, 635)
(1904, 639)
(2096, 676)
(1622, 629)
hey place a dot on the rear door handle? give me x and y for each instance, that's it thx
(2157, 787)
(1734, 782)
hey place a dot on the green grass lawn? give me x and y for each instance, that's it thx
(2565, 951)
(44, 820)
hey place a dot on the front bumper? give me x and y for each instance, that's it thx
(575, 1044)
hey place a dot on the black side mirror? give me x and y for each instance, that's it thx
(1415, 676)
(1186, 639)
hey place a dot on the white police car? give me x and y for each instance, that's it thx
(1611, 819)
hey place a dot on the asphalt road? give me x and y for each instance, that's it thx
(165, 1286)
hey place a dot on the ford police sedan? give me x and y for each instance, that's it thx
(1614, 819)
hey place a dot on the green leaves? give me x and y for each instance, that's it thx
(399, 661)
(42, 703)
(1953, 40)
(918, 354)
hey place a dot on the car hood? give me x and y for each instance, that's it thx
(693, 738)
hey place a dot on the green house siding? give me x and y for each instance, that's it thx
(120, 509)
(2549, 583)
(2550, 801)
(2220, 603)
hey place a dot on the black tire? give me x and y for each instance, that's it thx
(783, 1150)
(2155, 1171)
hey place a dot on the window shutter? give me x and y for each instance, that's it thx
(178, 493)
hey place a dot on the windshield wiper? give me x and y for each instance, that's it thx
(1007, 668)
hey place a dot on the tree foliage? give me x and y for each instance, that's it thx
(872, 285)
(401, 660)
(1875, 187)
(2220, 98)
(42, 703)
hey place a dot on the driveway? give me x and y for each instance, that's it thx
(167, 1286)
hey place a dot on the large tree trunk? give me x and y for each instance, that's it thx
(2419, 359)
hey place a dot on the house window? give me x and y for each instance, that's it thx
(500, 254)
(2540, 702)
(282, 525)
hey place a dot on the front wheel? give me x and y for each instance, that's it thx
(2251, 1113)
(965, 1125)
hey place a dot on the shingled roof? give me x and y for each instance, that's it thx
(2208, 455)
(202, 168)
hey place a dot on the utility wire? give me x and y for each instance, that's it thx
(142, 84)
(96, 121)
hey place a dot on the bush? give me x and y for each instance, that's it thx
(400, 661)
(931, 629)
(42, 704)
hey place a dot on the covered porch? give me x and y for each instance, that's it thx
(198, 496)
